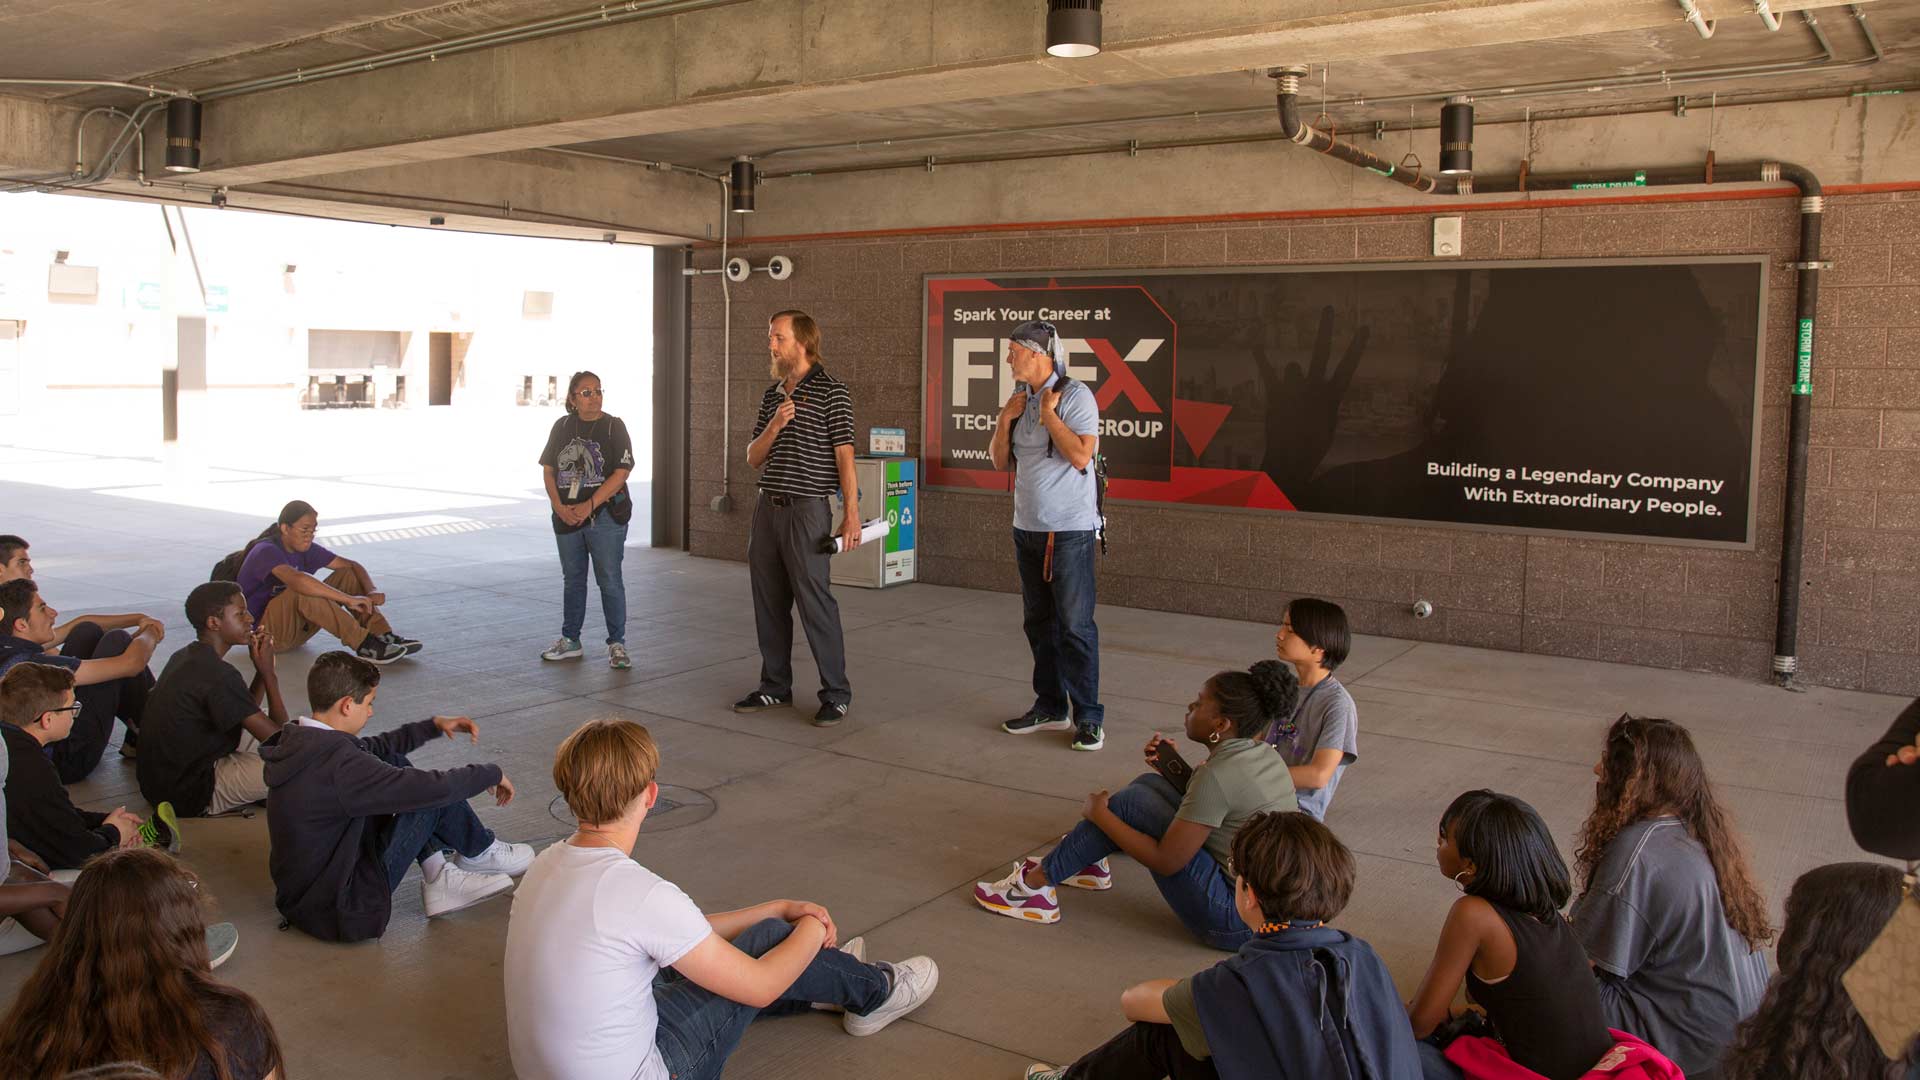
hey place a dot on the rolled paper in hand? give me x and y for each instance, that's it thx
(869, 532)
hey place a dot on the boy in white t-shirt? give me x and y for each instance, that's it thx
(612, 973)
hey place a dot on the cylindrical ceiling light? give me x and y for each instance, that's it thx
(183, 135)
(1456, 136)
(741, 179)
(1073, 27)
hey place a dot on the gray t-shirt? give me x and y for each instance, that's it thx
(1324, 719)
(1239, 779)
(1049, 494)
(1670, 968)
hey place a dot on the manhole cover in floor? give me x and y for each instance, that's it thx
(677, 808)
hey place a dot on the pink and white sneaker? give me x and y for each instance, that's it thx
(1011, 897)
(1098, 877)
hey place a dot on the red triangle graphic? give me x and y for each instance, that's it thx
(1199, 422)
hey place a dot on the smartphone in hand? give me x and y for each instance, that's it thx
(1168, 763)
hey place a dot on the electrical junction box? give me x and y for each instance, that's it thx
(1446, 236)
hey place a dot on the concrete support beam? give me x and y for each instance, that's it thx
(773, 61)
(1855, 141)
(533, 193)
(36, 138)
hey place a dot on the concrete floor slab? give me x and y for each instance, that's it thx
(891, 816)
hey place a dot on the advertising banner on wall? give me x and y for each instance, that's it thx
(1615, 398)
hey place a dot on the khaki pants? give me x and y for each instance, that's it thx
(292, 618)
(239, 778)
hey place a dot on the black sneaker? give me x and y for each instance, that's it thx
(760, 701)
(378, 650)
(830, 714)
(412, 645)
(1033, 721)
(1088, 737)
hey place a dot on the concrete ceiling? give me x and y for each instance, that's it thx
(696, 82)
(194, 44)
(896, 135)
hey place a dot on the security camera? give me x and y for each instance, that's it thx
(780, 267)
(738, 269)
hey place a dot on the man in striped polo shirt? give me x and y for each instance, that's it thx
(803, 446)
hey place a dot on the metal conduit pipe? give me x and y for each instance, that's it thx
(1696, 20)
(1807, 295)
(132, 133)
(150, 91)
(80, 137)
(1314, 139)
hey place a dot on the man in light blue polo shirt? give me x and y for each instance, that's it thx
(1048, 437)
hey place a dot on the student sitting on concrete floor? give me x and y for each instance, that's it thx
(203, 721)
(1182, 834)
(1300, 999)
(1321, 737)
(593, 932)
(15, 563)
(1807, 1024)
(276, 571)
(129, 977)
(37, 706)
(347, 815)
(30, 903)
(110, 669)
(1670, 914)
(1521, 962)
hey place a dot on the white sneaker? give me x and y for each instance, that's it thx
(502, 858)
(857, 948)
(456, 888)
(913, 983)
(565, 648)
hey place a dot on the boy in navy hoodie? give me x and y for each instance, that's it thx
(1301, 1000)
(347, 816)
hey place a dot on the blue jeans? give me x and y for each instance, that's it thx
(603, 540)
(416, 834)
(698, 1028)
(1059, 623)
(1200, 893)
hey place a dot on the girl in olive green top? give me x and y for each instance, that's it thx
(1184, 836)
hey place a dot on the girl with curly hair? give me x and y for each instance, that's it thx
(1669, 915)
(1807, 1025)
(127, 978)
(1184, 836)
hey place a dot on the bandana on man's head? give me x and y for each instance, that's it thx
(1044, 338)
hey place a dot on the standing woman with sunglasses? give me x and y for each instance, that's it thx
(586, 462)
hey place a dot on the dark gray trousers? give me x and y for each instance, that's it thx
(787, 567)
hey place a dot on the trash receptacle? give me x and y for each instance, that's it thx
(888, 488)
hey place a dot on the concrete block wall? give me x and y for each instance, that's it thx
(1655, 604)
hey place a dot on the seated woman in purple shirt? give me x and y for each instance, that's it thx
(276, 572)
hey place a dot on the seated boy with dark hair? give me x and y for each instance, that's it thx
(1300, 1000)
(347, 815)
(37, 707)
(110, 670)
(201, 709)
(16, 563)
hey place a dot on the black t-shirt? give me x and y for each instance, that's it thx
(583, 454)
(249, 1056)
(193, 719)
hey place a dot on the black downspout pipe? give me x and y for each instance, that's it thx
(1786, 662)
